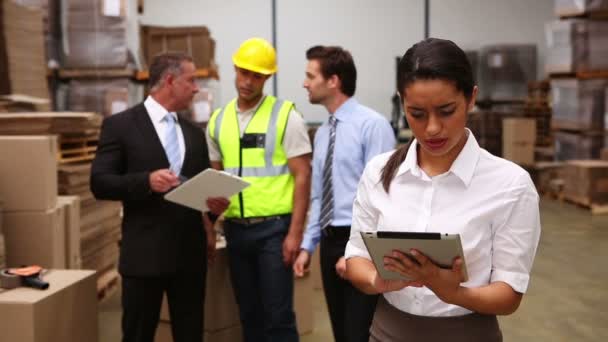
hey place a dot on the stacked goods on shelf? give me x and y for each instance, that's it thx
(26, 26)
(5, 85)
(566, 8)
(576, 45)
(195, 41)
(95, 34)
(579, 107)
(578, 64)
(505, 70)
(106, 96)
(537, 106)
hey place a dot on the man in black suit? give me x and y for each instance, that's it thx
(144, 152)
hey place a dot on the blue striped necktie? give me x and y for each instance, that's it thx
(327, 199)
(172, 145)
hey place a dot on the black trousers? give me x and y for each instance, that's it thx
(142, 299)
(350, 311)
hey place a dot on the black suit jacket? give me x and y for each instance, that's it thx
(159, 238)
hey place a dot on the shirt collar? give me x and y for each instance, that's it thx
(156, 111)
(346, 109)
(463, 167)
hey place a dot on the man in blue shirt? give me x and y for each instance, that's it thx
(352, 136)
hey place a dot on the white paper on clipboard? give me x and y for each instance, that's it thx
(209, 183)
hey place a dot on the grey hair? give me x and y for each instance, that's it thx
(166, 63)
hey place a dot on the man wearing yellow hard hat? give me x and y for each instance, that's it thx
(264, 140)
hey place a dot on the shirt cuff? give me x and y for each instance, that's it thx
(518, 281)
(308, 244)
(353, 251)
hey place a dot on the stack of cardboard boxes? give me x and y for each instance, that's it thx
(33, 226)
(83, 232)
(2, 248)
(25, 47)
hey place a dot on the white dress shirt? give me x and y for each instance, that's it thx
(157, 114)
(489, 201)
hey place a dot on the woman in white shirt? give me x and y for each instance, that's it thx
(444, 182)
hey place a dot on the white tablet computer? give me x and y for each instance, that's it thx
(208, 183)
(440, 248)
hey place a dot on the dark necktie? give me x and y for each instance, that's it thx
(327, 199)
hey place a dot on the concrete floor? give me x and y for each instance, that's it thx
(567, 299)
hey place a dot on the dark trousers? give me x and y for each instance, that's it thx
(350, 310)
(263, 285)
(393, 325)
(142, 299)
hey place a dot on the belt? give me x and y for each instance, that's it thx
(254, 220)
(336, 232)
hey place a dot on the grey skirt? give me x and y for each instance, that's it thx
(393, 325)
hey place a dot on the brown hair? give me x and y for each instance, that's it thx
(334, 60)
(429, 59)
(392, 165)
(166, 62)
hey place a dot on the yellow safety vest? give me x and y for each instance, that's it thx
(258, 157)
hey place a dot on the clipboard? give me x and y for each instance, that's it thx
(440, 248)
(208, 183)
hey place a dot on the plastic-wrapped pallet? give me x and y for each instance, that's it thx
(576, 45)
(505, 71)
(578, 7)
(571, 145)
(94, 34)
(104, 96)
(578, 104)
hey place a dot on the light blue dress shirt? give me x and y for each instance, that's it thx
(361, 134)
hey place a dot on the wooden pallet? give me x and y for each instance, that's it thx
(107, 284)
(596, 209)
(73, 149)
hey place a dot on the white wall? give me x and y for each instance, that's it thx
(375, 31)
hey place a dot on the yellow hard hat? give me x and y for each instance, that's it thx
(257, 55)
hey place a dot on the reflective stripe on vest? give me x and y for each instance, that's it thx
(271, 192)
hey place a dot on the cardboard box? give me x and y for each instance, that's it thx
(66, 311)
(586, 181)
(71, 205)
(518, 140)
(28, 172)
(196, 41)
(35, 238)
(302, 304)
